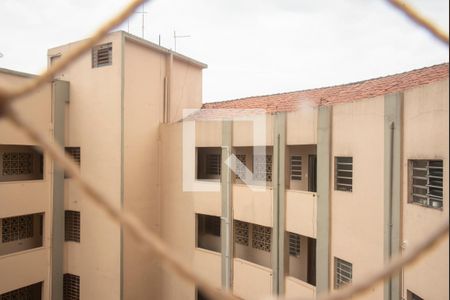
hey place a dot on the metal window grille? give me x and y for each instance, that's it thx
(262, 167)
(71, 287)
(344, 174)
(294, 244)
(342, 272)
(102, 55)
(213, 164)
(261, 237)
(72, 226)
(74, 152)
(17, 163)
(24, 293)
(241, 230)
(240, 170)
(296, 167)
(426, 182)
(17, 228)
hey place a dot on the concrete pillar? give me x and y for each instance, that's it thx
(60, 96)
(324, 130)
(393, 106)
(279, 259)
(226, 187)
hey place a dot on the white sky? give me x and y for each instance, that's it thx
(252, 47)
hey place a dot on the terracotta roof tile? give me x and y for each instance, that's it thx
(340, 93)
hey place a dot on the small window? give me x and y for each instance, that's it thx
(296, 167)
(31, 292)
(294, 244)
(240, 169)
(343, 271)
(261, 237)
(426, 182)
(102, 55)
(262, 169)
(71, 287)
(344, 174)
(241, 230)
(412, 296)
(72, 226)
(213, 164)
(17, 228)
(74, 153)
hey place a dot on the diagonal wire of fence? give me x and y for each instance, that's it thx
(137, 229)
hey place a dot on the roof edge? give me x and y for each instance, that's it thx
(17, 73)
(159, 48)
(324, 87)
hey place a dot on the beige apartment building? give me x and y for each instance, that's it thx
(324, 185)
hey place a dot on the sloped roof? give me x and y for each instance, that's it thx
(339, 93)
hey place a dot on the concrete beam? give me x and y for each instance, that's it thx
(324, 130)
(393, 106)
(279, 258)
(60, 96)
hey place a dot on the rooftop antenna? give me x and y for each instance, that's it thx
(143, 12)
(175, 37)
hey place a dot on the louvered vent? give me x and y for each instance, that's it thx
(72, 226)
(102, 55)
(71, 287)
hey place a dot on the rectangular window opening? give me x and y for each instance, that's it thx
(208, 232)
(343, 272)
(31, 292)
(426, 182)
(344, 174)
(71, 287)
(19, 162)
(72, 226)
(20, 233)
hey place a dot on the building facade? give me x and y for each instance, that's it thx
(325, 187)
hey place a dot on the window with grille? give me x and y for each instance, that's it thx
(72, 226)
(17, 228)
(296, 167)
(74, 153)
(426, 182)
(342, 272)
(20, 163)
(294, 244)
(344, 174)
(240, 169)
(102, 55)
(411, 296)
(241, 230)
(213, 164)
(262, 167)
(31, 292)
(261, 237)
(71, 287)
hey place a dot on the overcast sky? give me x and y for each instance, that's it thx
(252, 47)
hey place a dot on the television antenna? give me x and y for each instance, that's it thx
(175, 37)
(142, 12)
